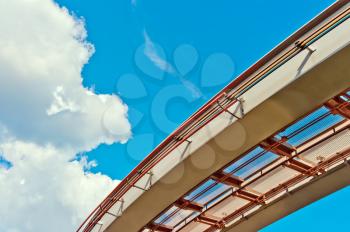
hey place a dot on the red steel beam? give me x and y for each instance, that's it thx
(210, 220)
(256, 199)
(248, 195)
(298, 166)
(338, 105)
(305, 170)
(188, 205)
(277, 147)
(284, 149)
(159, 227)
(227, 179)
(273, 192)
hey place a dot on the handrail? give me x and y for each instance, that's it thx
(210, 111)
(245, 164)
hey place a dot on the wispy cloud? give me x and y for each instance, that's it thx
(152, 54)
(196, 92)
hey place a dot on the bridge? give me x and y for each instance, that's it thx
(277, 138)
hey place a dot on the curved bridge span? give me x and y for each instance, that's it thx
(274, 140)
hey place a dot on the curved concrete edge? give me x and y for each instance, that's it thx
(297, 199)
(304, 94)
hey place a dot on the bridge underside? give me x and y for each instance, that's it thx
(272, 141)
(297, 199)
(304, 95)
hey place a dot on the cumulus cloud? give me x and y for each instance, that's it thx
(44, 192)
(42, 53)
(47, 117)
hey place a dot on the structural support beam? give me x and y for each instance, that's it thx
(284, 149)
(210, 220)
(188, 205)
(277, 147)
(159, 227)
(339, 105)
(312, 192)
(247, 195)
(227, 179)
(298, 166)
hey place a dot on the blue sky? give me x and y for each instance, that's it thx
(240, 30)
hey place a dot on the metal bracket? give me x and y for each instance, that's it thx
(135, 186)
(240, 101)
(347, 162)
(179, 139)
(302, 46)
(149, 182)
(100, 224)
(244, 217)
(120, 211)
(150, 178)
(311, 49)
(288, 192)
(112, 214)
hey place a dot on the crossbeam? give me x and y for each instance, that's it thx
(285, 150)
(298, 166)
(247, 195)
(188, 205)
(227, 179)
(339, 105)
(273, 145)
(159, 227)
(210, 220)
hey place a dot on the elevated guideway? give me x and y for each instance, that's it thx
(275, 139)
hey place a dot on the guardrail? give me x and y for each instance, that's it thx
(306, 171)
(299, 41)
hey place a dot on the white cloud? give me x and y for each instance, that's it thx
(42, 52)
(47, 117)
(44, 192)
(152, 54)
(60, 104)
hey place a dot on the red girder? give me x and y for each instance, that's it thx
(188, 205)
(338, 105)
(227, 179)
(284, 149)
(159, 227)
(210, 220)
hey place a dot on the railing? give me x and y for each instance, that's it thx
(283, 160)
(226, 98)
